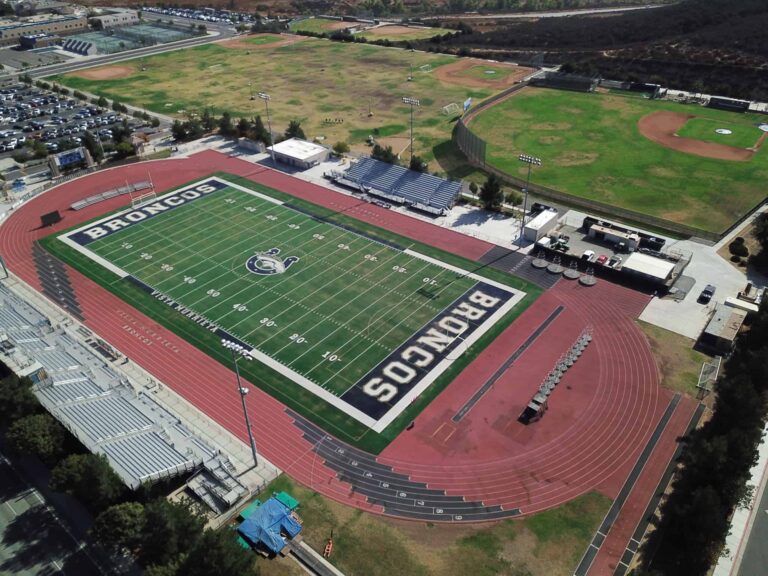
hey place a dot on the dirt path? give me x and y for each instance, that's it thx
(453, 74)
(662, 127)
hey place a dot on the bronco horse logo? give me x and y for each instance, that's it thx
(267, 263)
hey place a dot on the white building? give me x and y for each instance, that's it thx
(299, 153)
(539, 225)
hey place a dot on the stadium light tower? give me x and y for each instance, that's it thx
(238, 350)
(531, 161)
(267, 98)
(411, 102)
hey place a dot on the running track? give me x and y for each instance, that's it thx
(600, 415)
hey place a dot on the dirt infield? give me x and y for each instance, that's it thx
(391, 30)
(661, 127)
(107, 73)
(456, 74)
(240, 42)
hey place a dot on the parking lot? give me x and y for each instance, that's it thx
(59, 122)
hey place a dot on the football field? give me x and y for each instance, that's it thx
(361, 322)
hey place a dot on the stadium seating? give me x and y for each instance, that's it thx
(399, 184)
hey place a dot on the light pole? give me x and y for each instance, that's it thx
(236, 350)
(531, 161)
(411, 102)
(266, 99)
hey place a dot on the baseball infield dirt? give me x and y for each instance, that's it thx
(106, 73)
(661, 127)
(456, 73)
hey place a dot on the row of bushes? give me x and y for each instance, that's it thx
(715, 465)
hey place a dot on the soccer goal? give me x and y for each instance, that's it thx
(451, 108)
(426, 68)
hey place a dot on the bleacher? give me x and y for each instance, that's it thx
(127, 189)
(398, 184)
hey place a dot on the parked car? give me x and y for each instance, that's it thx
(706, 294)
(602, 259)
(614, 261)
(588, 255)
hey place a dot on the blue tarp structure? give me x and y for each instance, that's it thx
(267, 523)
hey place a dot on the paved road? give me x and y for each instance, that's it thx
(553, 14)
(755, 559)
(32, 540)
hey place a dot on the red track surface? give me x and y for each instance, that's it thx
(600, 415)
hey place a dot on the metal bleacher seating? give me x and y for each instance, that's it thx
(399, 184)
(127, 189)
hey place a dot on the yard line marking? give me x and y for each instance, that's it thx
(406, 279)
(406, 318)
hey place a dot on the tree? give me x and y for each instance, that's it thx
(178, 131)
(155, 121)
(171, 529)
(88, 478)
(96, 150)
(294, 130)
(103, 102)
(208, 120)
(116, 106)
(259, 133)
(760, 233)
(16, 398)
(123, 150)
(491, 194)
(384, 154)
(243, 127)
(473, 188)
(38, 434)
(341, 147)
(760, 229)
(170, 569)
(218, 552)
(417, 164)
(120, 527)
(226, 127)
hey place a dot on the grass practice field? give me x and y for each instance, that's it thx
(591, 147)
(323, 307)
(743, 135)
(342, 92)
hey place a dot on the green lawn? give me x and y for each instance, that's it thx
(550, 543)
(262, 39)
(310, 80)
(743, 134)
(346, 304)
(591, 147)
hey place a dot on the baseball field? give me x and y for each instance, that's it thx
(656, 157)
(339, 92)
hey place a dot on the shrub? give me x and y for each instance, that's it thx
(738, 248)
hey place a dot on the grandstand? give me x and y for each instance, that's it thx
(397, 184)
(143, 442)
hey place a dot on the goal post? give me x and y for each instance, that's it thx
(142, 198)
